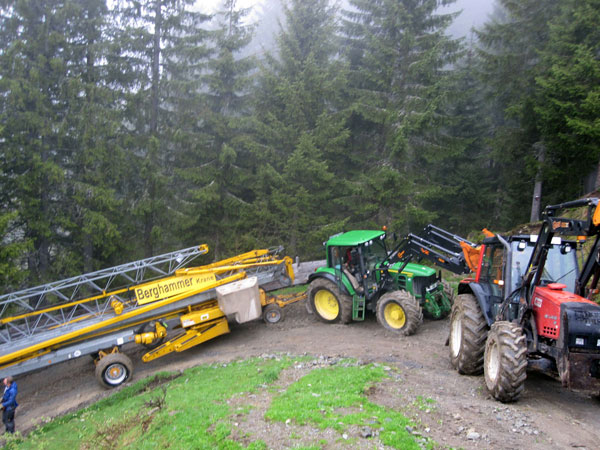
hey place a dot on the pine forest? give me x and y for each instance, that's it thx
(130, 128)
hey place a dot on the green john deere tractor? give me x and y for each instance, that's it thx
(362, 274)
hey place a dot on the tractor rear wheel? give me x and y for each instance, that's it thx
(329, 304)
(399, 312)
(113, 370)
(505, 365)
(468, 332)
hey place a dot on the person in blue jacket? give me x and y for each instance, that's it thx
(9, 404)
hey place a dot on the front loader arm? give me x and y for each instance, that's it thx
(449, 256)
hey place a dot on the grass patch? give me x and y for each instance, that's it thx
(335, 398)
(195, 410)
(192, 415)
(290, 290)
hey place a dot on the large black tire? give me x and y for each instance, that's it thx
(328, 303)
(468, 332)
(113, 370)
(505, 365)
(399, 312)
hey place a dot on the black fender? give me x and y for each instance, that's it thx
(482, 296)
(313, 276)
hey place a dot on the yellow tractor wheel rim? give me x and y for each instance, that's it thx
(326, 304)
(394, 315)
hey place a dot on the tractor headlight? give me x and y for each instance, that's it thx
(580, 341)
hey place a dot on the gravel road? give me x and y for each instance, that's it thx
(462, 415)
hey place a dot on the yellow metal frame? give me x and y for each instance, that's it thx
(255, 258)
(192, 337)
(281, 300)
(203, 323)
(20, 354)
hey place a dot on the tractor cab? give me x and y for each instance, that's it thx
(503, 266)
(355, 257)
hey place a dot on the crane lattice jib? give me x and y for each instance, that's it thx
(28, 312)
(150, 291)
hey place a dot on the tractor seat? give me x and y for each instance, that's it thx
(353, 281)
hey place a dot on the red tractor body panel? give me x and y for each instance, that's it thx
(547, 303)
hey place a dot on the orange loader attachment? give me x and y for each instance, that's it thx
(472, 254)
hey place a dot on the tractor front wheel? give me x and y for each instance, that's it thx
(399, 312)
(468, 332)
(328, 302)
(505, 365)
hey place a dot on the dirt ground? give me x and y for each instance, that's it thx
(462, 416)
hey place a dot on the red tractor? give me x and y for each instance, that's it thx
(526, 308)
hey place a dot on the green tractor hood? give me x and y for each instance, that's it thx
(412, 269)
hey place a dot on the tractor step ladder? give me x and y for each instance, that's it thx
(358, 307)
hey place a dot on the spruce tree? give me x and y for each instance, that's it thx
(218, 167)
(160, 54)
(509, 51)
(468, 178)
(301, 130)
(36, 78)
(569, 98)
(94, 168)
(399, 57)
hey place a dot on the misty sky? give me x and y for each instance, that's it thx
(474, 12)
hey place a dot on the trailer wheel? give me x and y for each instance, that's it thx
(399, 312)
(505, 365)
(328, 302)
(468, 332)
(272, 313)
(113, 370)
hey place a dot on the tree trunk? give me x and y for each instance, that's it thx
(597, 182)
(536, 202)
(88, 254)
(156, 66)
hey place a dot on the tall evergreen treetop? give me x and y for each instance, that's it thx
(218, 170)
(400, 79)
(300, 126)
(569, 97)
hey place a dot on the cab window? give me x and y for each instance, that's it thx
(492, 269)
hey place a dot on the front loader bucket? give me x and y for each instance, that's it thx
(472, 255)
